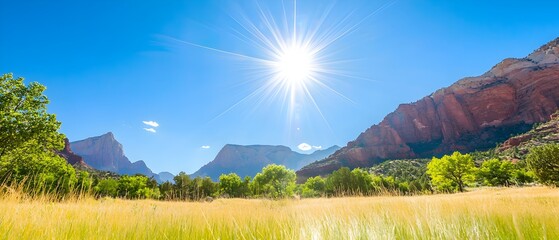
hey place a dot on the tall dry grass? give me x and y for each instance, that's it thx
(507, 213)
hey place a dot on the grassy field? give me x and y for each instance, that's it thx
(507, 213)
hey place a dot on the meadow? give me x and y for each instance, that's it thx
(489, 213)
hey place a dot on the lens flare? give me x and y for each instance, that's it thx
(294, 57)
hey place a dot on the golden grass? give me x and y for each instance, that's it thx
(506, 213)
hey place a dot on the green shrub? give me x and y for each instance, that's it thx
(544, 162)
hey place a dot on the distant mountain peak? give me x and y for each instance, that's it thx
(108, 135)
(105, 153)
(247, 160)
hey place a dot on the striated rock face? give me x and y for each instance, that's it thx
(71, 157)
(474, 113)
(106, 153)
(249, 160)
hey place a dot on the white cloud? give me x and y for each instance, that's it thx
(304, 147)
(308, 147)
(151, 123)
(150, 130)
(205, 147)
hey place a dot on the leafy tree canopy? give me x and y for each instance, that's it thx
(452, 172)
(275, 181)
(24, 121)
(28, 138)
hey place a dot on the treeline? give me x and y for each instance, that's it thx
(29, 139)
(275, 181)
(450, 173)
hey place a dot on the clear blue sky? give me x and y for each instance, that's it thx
(110, 65)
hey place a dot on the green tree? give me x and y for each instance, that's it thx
(230, 185)
(181, 186)
(28, 138)
(384, 184)
(495, 172)
(543, 161)
(275, 181)
(201, 188)
(107, 188)
(24, 121)
(361, 182)
(313, 187)
(166, 190)
(452, 172)
(84, 182)
(339, 182)
(521, 176)
(137, 186)
(245, 187)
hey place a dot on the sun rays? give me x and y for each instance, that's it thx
(294, 58)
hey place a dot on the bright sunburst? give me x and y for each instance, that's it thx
(295, 57)
(295, 65)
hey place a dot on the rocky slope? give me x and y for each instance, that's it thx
(474, 113)
(105, 153)
(249, 160)
(71, 157)
(517, 147)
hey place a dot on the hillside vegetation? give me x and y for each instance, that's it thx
(517, 147)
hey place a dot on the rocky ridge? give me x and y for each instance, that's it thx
(474, 113)
(105, 153)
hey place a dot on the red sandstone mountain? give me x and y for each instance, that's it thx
(71, 157)
(474, 113)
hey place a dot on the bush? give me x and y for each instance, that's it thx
(230, 185)
(107, 188)
(313, 187)
(543, 161)
(339, 182)
(495, 172)
(137, 186)
(37, 172)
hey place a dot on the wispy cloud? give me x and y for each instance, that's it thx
(317, 147)
(150, 130)
(205, 147)
(151, 123)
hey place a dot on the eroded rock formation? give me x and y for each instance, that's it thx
(474, 113)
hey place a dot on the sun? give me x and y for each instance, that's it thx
(294, 65)
(291, 60)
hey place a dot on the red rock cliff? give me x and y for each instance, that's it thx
(71, 157)
(472, 114)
